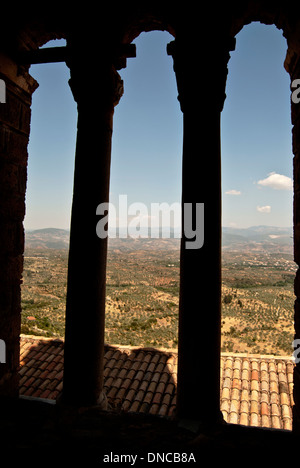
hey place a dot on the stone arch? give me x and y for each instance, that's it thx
(134, 29)
(146, 19)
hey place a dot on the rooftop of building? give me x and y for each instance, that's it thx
(255, 390)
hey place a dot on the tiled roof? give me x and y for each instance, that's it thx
(255, 390)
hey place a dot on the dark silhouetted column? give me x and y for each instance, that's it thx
(96, 95)
(201, 95)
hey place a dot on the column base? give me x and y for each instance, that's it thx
(102, 402)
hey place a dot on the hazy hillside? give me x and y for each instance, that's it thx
(255, 238)
(52, 238)
(49, 238)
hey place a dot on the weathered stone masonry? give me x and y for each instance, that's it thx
(14, 136)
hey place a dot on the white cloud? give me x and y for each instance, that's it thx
(277, 182)
(264, 209)
(233, 192)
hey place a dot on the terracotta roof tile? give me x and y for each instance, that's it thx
(266, 395)
(154, 408)
(254, 390)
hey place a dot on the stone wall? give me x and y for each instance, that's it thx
(14, 136)
(292, 65)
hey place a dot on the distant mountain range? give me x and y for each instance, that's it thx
(50, 238)
(270, 238)
(258, 238)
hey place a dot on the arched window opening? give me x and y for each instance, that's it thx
(48, 200)
(143, 258)
(257, 191)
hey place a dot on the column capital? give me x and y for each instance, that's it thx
(102, 61)
(105, 86)
(209, 80)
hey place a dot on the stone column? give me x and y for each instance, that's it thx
(96, 97)
(201, 96)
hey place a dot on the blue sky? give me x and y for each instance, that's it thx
(147, 138)
(256, 131)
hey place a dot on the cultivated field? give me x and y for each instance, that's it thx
(143, 295)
